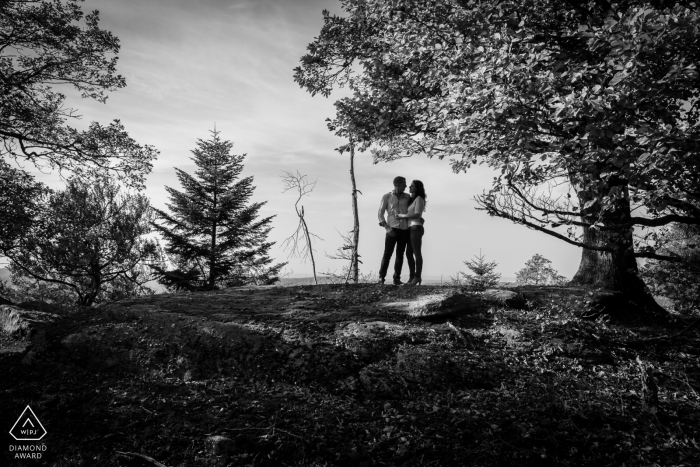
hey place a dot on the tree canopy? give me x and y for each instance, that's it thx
(49, 43)
(213, 234)
(587, 110)
(19, 204)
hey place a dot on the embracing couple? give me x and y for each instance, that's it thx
(404, 229)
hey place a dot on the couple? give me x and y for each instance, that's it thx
(404, 229)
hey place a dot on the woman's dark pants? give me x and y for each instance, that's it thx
(413, 248)
(398, 241)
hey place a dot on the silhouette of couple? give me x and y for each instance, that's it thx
(404, 230)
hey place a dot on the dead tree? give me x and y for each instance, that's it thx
(300, 241)
(352, 243)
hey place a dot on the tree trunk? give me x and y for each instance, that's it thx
(96, 284)
(212, 258)
(215, 213)
(356, 220)
(308, 242)
(615, 270)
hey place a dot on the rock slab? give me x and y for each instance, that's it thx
(436, 305)
(18, 322)
(506, 298)
(36, 305)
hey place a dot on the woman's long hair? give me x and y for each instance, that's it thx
(420, 191)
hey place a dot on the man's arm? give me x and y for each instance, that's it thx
(383, 206)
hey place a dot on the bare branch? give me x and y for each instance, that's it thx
(300, 242)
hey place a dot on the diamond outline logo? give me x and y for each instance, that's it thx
(28, 419)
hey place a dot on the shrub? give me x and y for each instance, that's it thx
(538, 271)
(484, 276)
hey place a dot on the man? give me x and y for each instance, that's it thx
(397, 233)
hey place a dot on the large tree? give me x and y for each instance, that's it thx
(86, 244)
(588, 110)
(45, 44)
(213, 234)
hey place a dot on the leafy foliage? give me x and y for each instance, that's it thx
(213, 235)
(19, 204)
(86, 246)
(484, 276)
(587, 109)
(537, 271)
(679, 281)
(44, 43)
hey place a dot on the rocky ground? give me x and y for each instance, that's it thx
(353, 375)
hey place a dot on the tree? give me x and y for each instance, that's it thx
(349, 250)
(679, 280)
(301, 235)
(213, 235)
(86, 245)
(355, 266)
(588, 110)
(537, 271)
(484, 276)
(45, 43)
(19, 196)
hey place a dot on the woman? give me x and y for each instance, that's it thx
(413, 248)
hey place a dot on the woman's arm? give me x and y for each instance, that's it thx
(420, 206)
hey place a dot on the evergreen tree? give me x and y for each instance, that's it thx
(213, 234)
(484, 276)
(537, 271)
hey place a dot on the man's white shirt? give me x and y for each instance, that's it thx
(393, 204)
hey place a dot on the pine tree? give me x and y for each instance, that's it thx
(484, 276)
(537, 271)
(214, 237)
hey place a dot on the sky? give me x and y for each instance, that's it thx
(192, 65)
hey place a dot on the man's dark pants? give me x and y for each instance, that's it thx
(398, 241)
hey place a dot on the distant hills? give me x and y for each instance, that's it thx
(289, 281)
